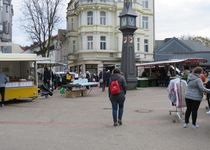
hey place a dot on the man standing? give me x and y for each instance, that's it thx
(117, 92)
(3, 81)
(47, 77)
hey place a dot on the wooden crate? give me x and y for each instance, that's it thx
(72, 94)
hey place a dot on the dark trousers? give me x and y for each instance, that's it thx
(207, 98)
(117, 109)
(192, 107)
(2, 92)
(103, 86)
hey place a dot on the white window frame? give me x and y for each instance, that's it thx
(146, 45)
(89, 42)
(103, 42)
(74, 45)
(145, 22)
(145, 4)
(89, 18)
(103, 18)
(138, 41)
(72, 23)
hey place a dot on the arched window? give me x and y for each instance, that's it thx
(89, 17)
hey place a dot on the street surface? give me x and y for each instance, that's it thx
(85, 123)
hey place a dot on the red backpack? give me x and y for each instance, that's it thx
(115, 87)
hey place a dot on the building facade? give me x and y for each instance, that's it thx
(93, 38)
(6, 13)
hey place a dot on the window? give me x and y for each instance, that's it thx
(1, 27)
(146, 45)
(145, 22)
(103, 42)
(138, 44)
(145, 3)
(74, 46)
(5, 27)
(7, 8)
(103, 1)
(103, 18)
(89, 1)
(90, 18)
(90, 42)
(1, 5)
(72, 23)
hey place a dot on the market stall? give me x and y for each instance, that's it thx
(21, 72)
(156, 73)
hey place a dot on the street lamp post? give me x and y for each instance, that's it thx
(128, 27)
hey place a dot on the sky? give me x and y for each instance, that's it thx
(172, 19)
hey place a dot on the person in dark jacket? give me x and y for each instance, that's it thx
(3, 81)
(118, 100)
(47, 77)
(194, 96)
(208, 96)
(105, 80)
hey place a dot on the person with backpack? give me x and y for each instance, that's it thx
(117, 92)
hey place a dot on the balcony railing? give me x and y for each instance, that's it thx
(96, 2)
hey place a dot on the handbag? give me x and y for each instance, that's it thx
(101, 81)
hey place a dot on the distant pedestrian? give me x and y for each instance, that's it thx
(3, 81)
(47, 77)
(105, 80)
(194, 96)
(68, 77)
(117, 95)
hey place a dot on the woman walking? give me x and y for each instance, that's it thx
(117, 91)
(194, 96)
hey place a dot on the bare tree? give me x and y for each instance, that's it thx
(40, 19)
(203, 40)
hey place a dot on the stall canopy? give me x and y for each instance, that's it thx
(17, 57)
(188, 61)
(47, 62)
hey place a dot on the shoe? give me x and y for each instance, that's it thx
(120, 122)
(208, 112)
(115, 124)
(186, 125)
(195, 126)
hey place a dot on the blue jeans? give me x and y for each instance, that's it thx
(117, 109)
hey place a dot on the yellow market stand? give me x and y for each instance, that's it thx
(22, 73)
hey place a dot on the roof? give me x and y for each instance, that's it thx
(195, 45)
(174, 61)
(172, 45)
(173, 48)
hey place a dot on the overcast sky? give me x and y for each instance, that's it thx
(172, 19)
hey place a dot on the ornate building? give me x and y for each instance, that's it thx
(6, 13)
(93, 38)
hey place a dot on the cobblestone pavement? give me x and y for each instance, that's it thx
(85, 123)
